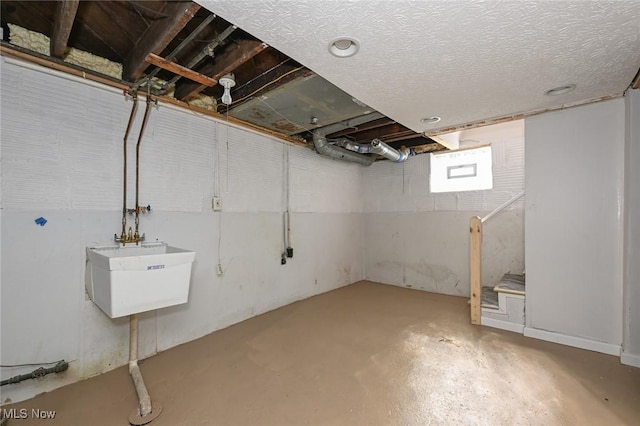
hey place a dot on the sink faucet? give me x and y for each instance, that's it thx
(129, 237)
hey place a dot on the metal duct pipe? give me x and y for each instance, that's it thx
(376, 147)
(336, 152)
(361, 148)
(381, 148)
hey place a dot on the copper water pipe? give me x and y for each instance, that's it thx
(136, 236)
(123, 235)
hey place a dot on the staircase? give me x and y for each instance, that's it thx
(503, 304)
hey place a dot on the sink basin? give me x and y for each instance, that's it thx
(132, 279)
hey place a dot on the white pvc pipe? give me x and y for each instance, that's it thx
(143, 395)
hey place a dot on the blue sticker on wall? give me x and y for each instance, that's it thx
(41, 221)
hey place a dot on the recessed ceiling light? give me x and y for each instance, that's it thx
(560, 90)
(344, 47)
(431, 120)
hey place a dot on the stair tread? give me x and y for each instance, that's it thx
(489, 298)
(512, 284)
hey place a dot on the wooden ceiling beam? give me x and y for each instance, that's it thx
(175, 68)
(398, 138)
(366, 135)
(157, 37)
(225, 63)
(63, 19)
(381, 122)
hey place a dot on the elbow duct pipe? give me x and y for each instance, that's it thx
(336, 152)
(346, 150)
(381, 148)
(377, 147)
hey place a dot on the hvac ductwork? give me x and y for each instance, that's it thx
(345, 150)
(377, 147)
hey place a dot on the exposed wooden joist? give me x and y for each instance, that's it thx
(224, 64)
(402, 137)
(62, 23)
(158, 36)
(57, 64)
(368, 134)
(168, 65)
(381, 122)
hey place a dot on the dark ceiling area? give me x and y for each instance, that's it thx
(178, 49)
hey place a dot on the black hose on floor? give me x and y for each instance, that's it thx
(39, 372)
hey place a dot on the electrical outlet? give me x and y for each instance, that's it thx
(219, 269)
(216, 203)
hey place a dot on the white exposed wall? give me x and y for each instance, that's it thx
(61, 147)
(631, 342)
(421, 240)
(573, 227)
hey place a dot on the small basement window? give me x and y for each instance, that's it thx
(461, 170)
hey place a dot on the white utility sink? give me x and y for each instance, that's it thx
(132, 279)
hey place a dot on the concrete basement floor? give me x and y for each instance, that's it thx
(366, 354)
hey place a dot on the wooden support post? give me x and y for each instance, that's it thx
(62, 24)
(475, 268)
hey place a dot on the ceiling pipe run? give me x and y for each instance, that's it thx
(345, 150)
(338, 153)
(376, 146)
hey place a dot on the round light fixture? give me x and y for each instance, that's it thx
(344, 47)
(431, 120)
(556, 91)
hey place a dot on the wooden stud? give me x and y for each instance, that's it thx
(168, 65)
(63, 19)
(475, 268)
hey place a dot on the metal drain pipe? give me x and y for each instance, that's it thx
(145, 412)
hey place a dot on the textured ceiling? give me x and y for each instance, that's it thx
(462, 60)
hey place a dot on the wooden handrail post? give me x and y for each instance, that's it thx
(475, 268)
